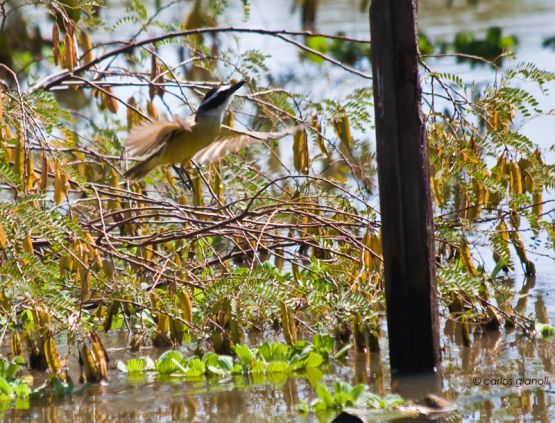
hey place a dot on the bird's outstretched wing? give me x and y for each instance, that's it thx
(230, 140)
(148, 138)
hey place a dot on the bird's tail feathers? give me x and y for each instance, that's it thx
(140, 170)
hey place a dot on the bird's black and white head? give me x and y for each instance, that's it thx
(217, 99)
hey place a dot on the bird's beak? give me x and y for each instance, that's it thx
(234, 87)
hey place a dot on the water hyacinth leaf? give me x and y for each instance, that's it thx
(278, 367)
(218, 371)
(325, 396)
(312, 375)
(258, 367)
(226, 362)
(168, 362)
(21, 390)
(139, 365)
(237, 369)
(211, 359)
(5, 387)
(313, 360)
(195, 368)
(245, 355)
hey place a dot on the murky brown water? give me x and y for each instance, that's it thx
(501, 376)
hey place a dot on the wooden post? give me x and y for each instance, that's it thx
(405, 200)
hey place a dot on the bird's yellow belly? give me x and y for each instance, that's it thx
(184, 146)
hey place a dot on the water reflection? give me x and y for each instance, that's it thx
(482, 380)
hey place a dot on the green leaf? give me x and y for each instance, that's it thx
(257, 367)
(169, 362)
(218, 371)
(245, 355)
(277, 367)
(226, 362)
(313, 360)
(196, 368)
(5, 387)
(324, 395)
(342, 352)
(21, 390)
(136, 365)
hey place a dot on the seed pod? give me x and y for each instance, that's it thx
(466, 258)
(300, 152)
(343, 128)
(108, 268)
(111, 101)
(61, 185)
(115, 202)
(288, 324)
(3, 238)
(163, 325)
(499, 171)
(537, 204)
(15, 344)
(28, 244)
(320, 142)
(86, 47)
(530, 268)
(19, 158)
(169, 178)
(503, 231)
(31, 175)
(52, 356)
(295, 271)
(147, 253)
(110, 313)
(515, 180)
(478, 191)
(528, 183)
(465, 332)
(218, 183)
(514, 218)
(43, 172)
(56, 43)
(376, 243)
(366, 255)
(69, 55)
(278, 259)
(437, 191)
(155, 301)
(100, 356)
(1, 111)
(131, 115)
(156, 78)
(229, 119)
(84, 277)
(151, 110)
(186, 305)
(197, 190)
(89, 364)
(461, 201)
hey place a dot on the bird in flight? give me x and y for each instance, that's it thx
(200, 137)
